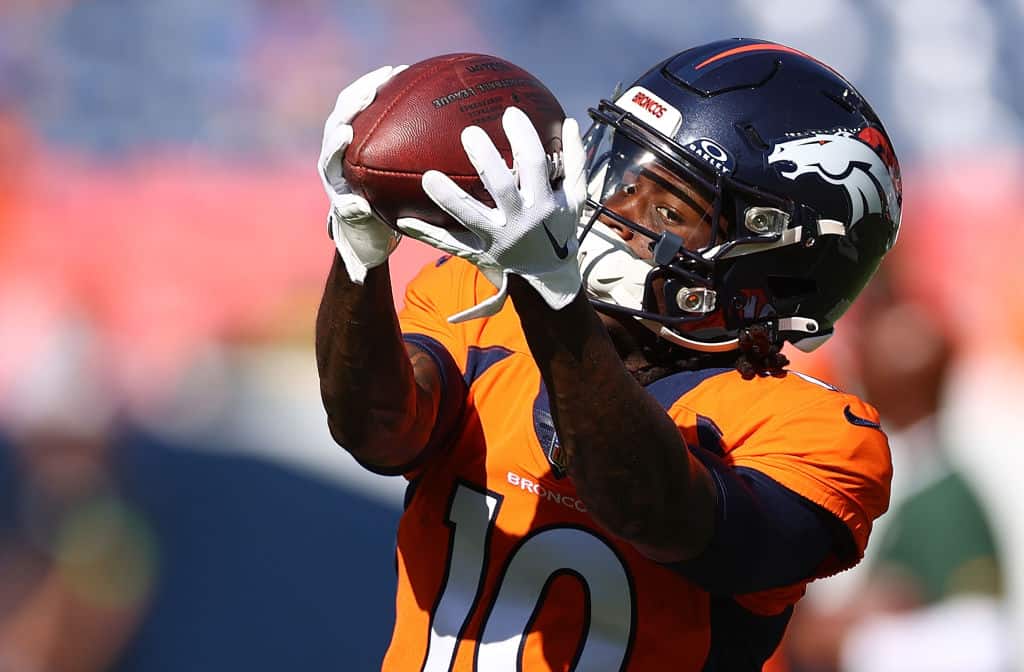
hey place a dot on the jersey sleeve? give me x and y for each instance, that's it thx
(834, 454)
(430, 297)
(441, 289)
(801, 468)
(790, 488)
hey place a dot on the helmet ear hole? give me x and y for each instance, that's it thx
(750, 134)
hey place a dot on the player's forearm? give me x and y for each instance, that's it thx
(626, 457)
(375, 408)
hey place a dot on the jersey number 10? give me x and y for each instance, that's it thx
(531, 566)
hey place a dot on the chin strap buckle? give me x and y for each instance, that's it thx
(796, 323)
(814, 336)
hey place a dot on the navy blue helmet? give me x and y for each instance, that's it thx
(785, 161)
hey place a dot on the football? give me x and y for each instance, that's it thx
(415, 122)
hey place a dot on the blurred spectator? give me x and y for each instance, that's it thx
(13, 148)
(76, 561)
(934, 564)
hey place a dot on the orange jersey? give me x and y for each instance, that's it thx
(500, 567)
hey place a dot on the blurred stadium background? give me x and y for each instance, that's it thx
(169, 496)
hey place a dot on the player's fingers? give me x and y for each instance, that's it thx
(336, 139)
(352, 208)
(338, 130)
(459, 243)
(574, 159)
(451, 198)
(491, 167)
(528, 153)
(358, 95)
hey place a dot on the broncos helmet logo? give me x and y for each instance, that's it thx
(847, 160)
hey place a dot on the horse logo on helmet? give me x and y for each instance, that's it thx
(847, 159)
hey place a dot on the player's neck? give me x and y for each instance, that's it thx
(648, 359)
(632, 342)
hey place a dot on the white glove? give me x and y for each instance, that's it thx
(362, 239)
(532, 230)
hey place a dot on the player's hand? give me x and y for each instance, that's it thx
(362, 239)
(532, 230)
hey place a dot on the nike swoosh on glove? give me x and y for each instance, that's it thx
(363, 240)
(531, 231)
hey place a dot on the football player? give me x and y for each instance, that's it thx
(615, 470)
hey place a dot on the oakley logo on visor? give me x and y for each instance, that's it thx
(652, 110)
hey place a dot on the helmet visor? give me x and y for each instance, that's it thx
(630, 186)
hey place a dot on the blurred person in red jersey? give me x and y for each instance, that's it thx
(616, 470)
(928, 594)
(76, 562)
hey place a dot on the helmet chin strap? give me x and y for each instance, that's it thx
(788, 324)
(678, 339)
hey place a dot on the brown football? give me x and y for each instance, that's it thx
(415, 123)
